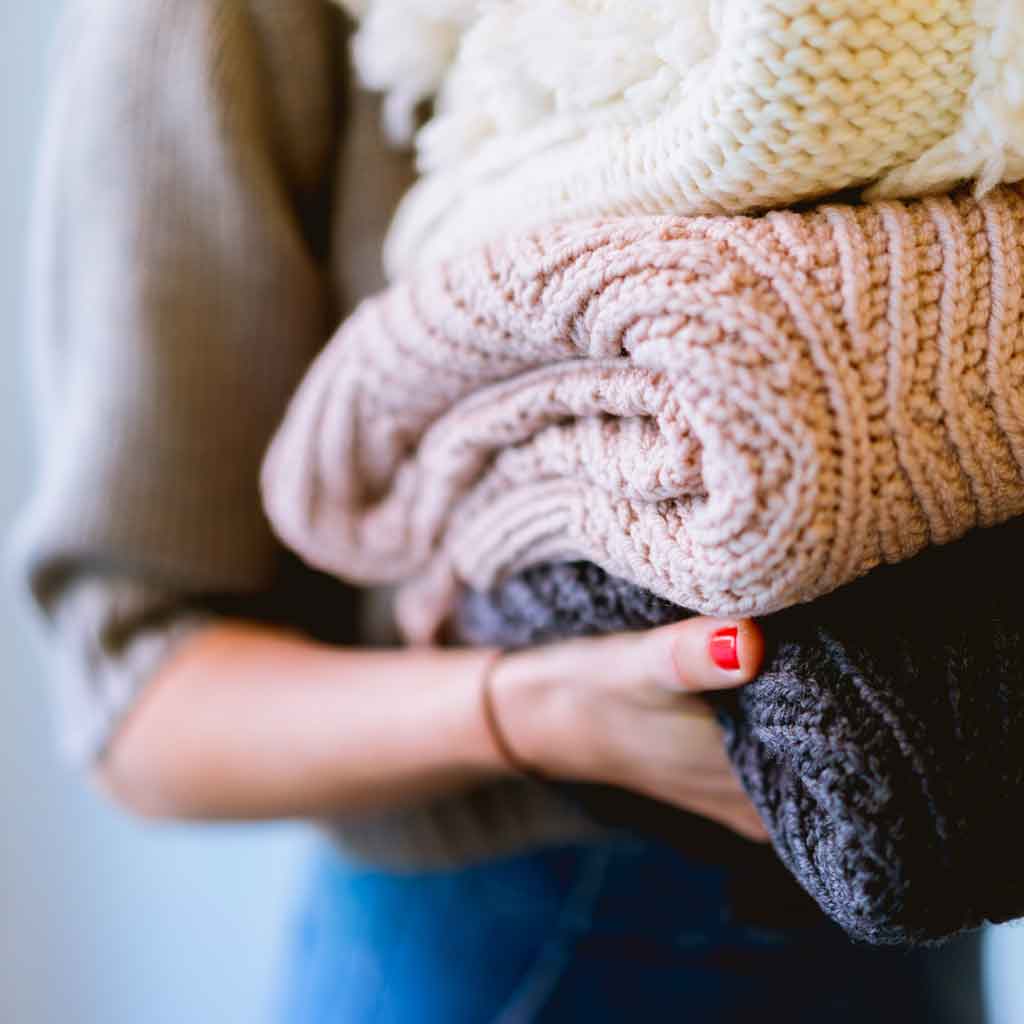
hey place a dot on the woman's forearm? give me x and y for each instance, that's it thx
(250, 722)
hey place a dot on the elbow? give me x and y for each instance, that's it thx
(139, 796)
(151, 766)
(137, 780)
(131, 800)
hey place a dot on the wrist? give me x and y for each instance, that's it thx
(536, 714)
(446, 729)
(500, 744)
(482, 756)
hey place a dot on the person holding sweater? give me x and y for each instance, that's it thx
(213, 197)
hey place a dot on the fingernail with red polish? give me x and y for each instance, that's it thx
(724, 648)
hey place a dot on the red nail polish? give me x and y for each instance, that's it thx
(724, 648)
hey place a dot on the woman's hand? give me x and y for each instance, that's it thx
(623, 710)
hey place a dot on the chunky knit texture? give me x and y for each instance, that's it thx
(735, 414)
(883, 744)
(583, 108)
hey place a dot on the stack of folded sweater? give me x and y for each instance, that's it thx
(612, 415)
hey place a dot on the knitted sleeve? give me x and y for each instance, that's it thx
(883, 744)
(178, 292)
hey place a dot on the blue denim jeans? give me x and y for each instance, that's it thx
(617, 931)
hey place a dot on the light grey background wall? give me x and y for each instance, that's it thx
(103, 921)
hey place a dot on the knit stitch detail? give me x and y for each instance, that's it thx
(736, 414)
(881, 743)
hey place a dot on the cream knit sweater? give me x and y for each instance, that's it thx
(576, 108)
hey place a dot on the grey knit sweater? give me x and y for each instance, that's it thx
(883, 744)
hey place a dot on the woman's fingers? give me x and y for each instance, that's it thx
(705, 654)
(740, 817)
(691, 656)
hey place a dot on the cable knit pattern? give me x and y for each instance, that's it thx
(736, 414)
(585, 108)
(882, 744)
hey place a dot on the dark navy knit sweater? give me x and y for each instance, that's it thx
(883, 743)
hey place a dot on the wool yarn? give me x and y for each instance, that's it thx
(882, 744)
(582, 108)
(736, 414)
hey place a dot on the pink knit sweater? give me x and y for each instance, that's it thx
(737, 414)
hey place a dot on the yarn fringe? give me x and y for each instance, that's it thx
(526, 94)
(989, 146)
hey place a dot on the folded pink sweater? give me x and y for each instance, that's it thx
(738, 414)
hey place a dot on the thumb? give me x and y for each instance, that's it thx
(702, 654)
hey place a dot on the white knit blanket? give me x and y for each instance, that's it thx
(556, 109)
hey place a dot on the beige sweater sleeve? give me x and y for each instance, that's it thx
(179, 292)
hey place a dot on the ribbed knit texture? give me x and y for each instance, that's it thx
(585, 108)
(883, 744)
(736, 414)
